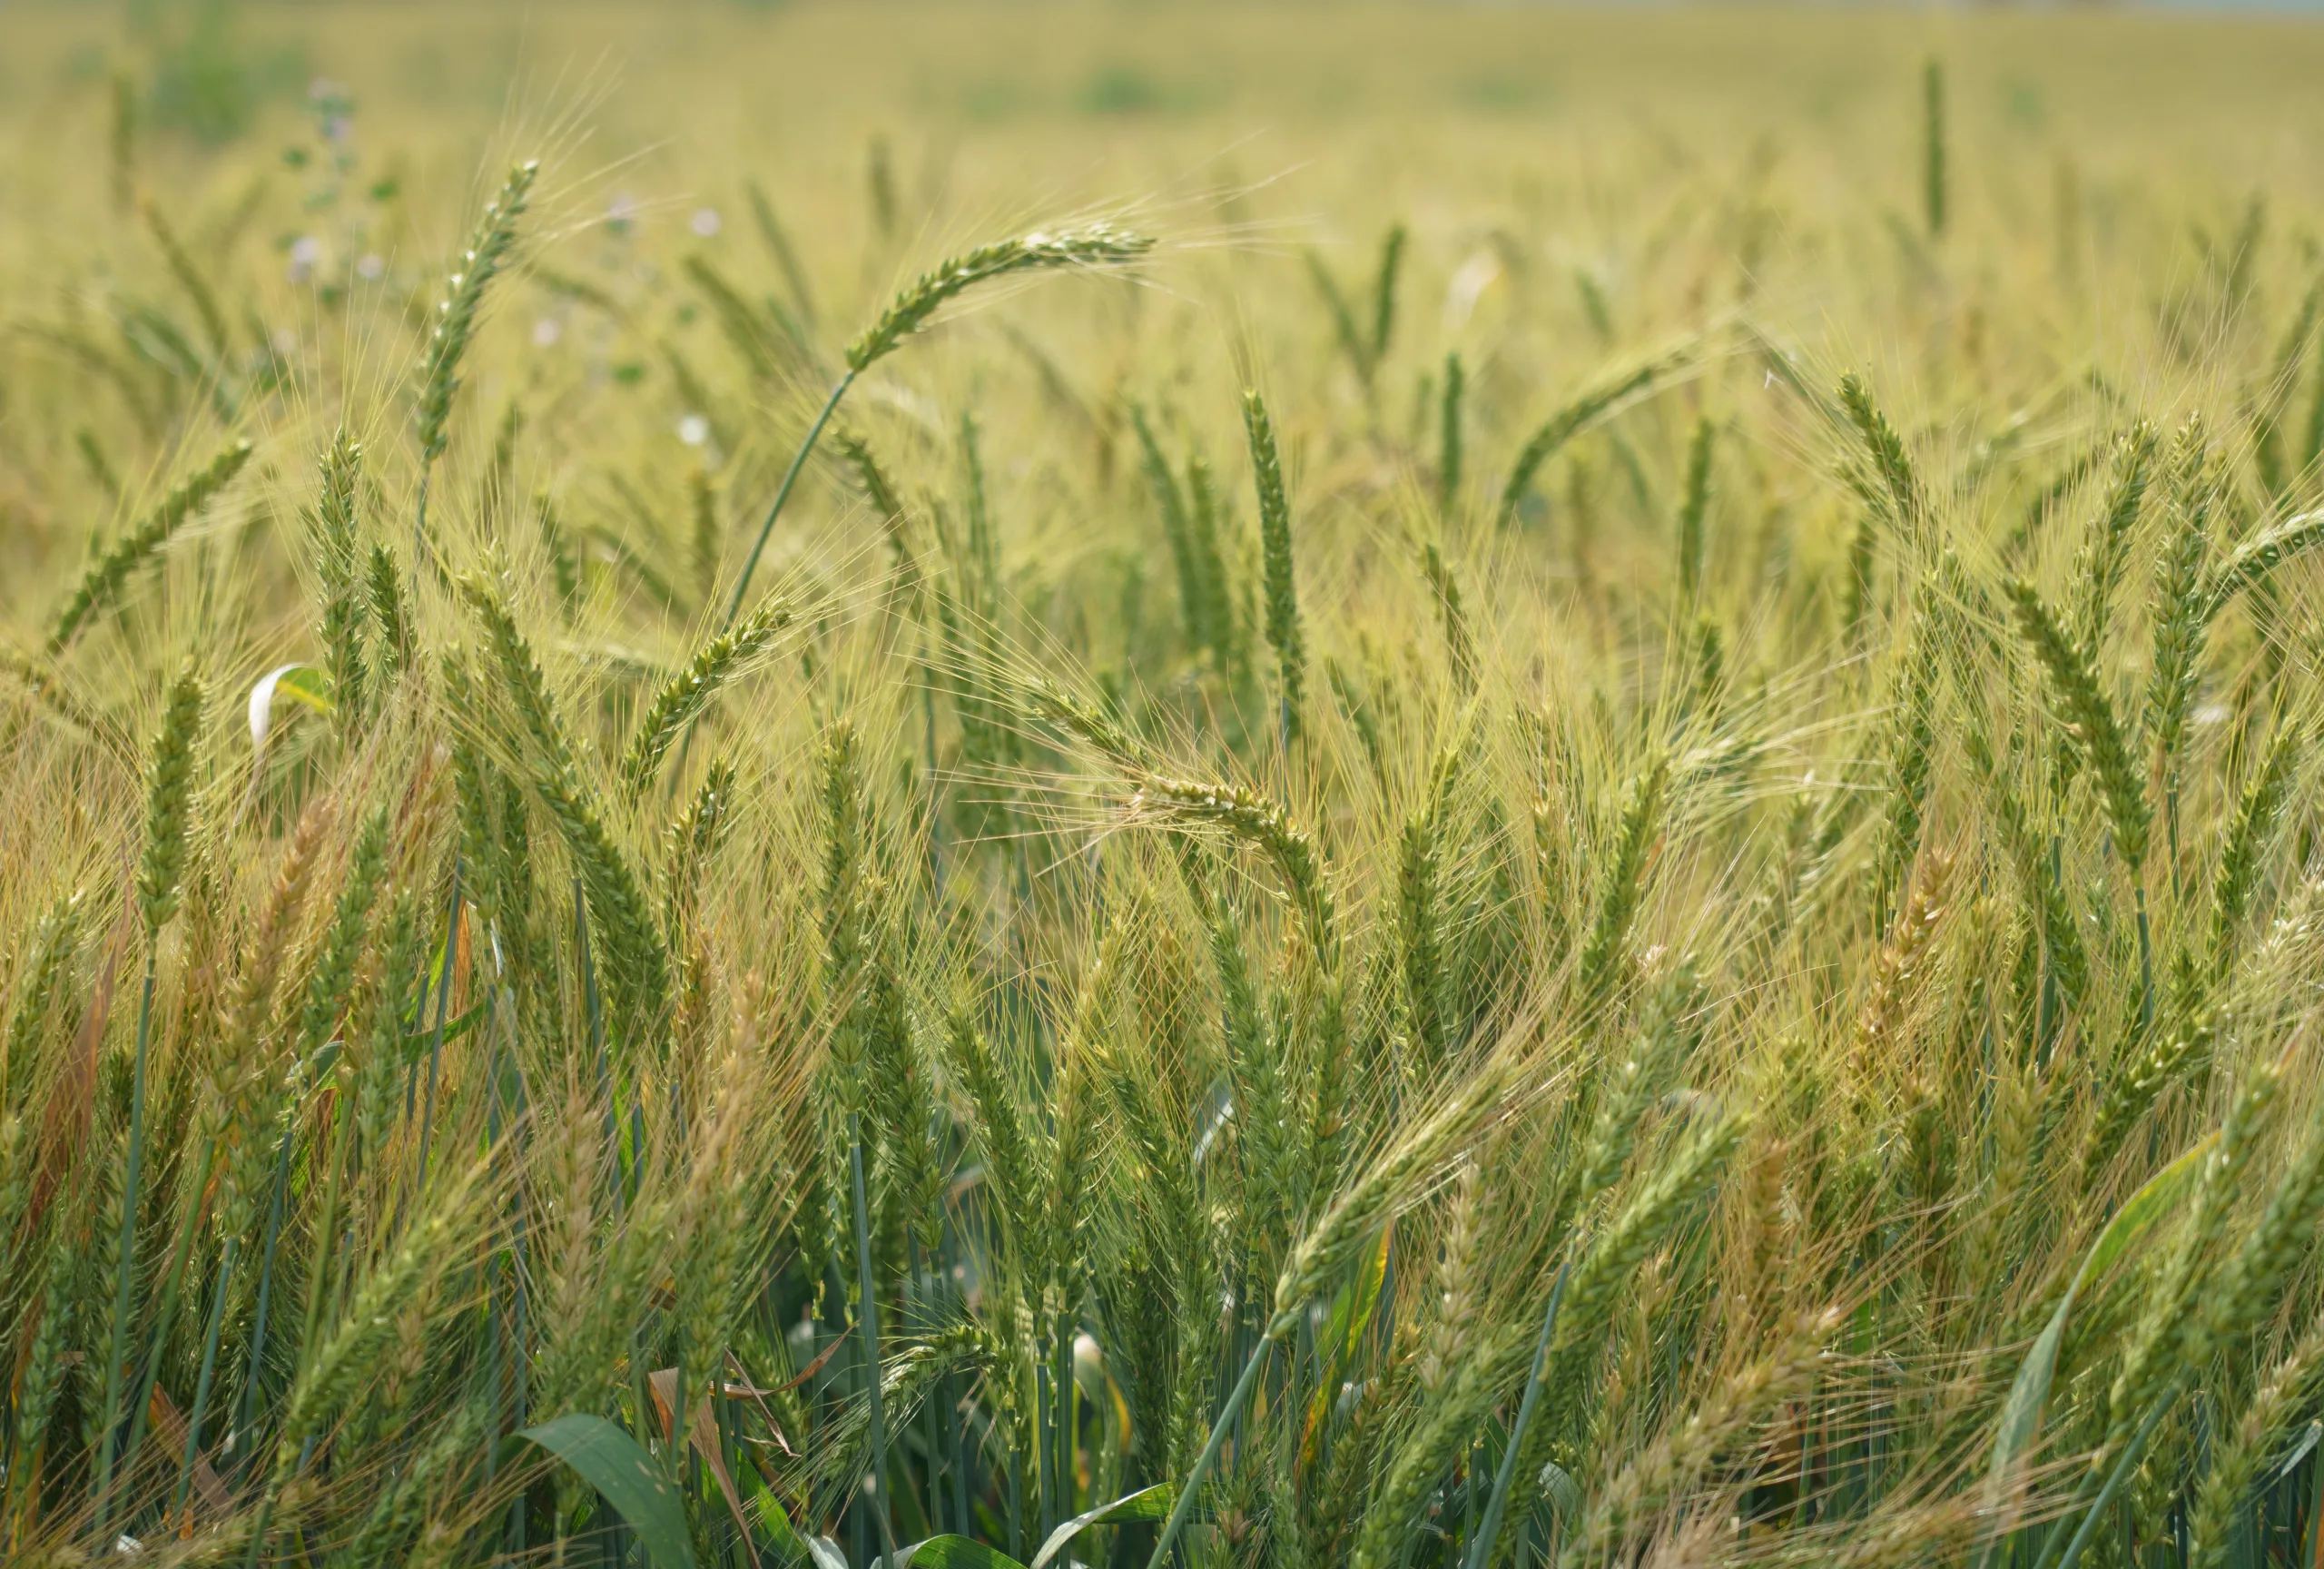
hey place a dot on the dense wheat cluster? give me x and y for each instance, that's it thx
(1027, 830)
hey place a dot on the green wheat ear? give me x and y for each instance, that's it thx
(1900, 491)
(337, 542)
(683, 698)
(1932, 192)
(1448, 439)
(1694, 509)
(1096, 245)
(2083, 705)
(1594, 402)
(1275, 535)
(169, 797)
(103, 582)
(456, 320)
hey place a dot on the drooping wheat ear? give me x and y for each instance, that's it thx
(2081, 704)
(390, 625)
(189, 276)
(1619, 889)
(2108, 550)
(1448, 435)
(1045, 698)
(103, 580)
(1899, 493)
(1383, 291)
(1094, 245)
(1899, 961)
(1258, 822)
(2255, 560)
(1275, 536)
(168, 800)
(338, 549)
(636, 961)
(689, 691)
(1694, 508)
(879, 489)
(455, 314)
(1588, 406)
(2180, 598)
(1933, 146)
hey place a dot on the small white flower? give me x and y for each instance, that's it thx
(306, 251)
(546, 332)
(704, 221)
(621, 212)
(693, 430)
(284, 343)
(2211, 714)
(371, 267)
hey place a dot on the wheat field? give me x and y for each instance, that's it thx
(1010, 786)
